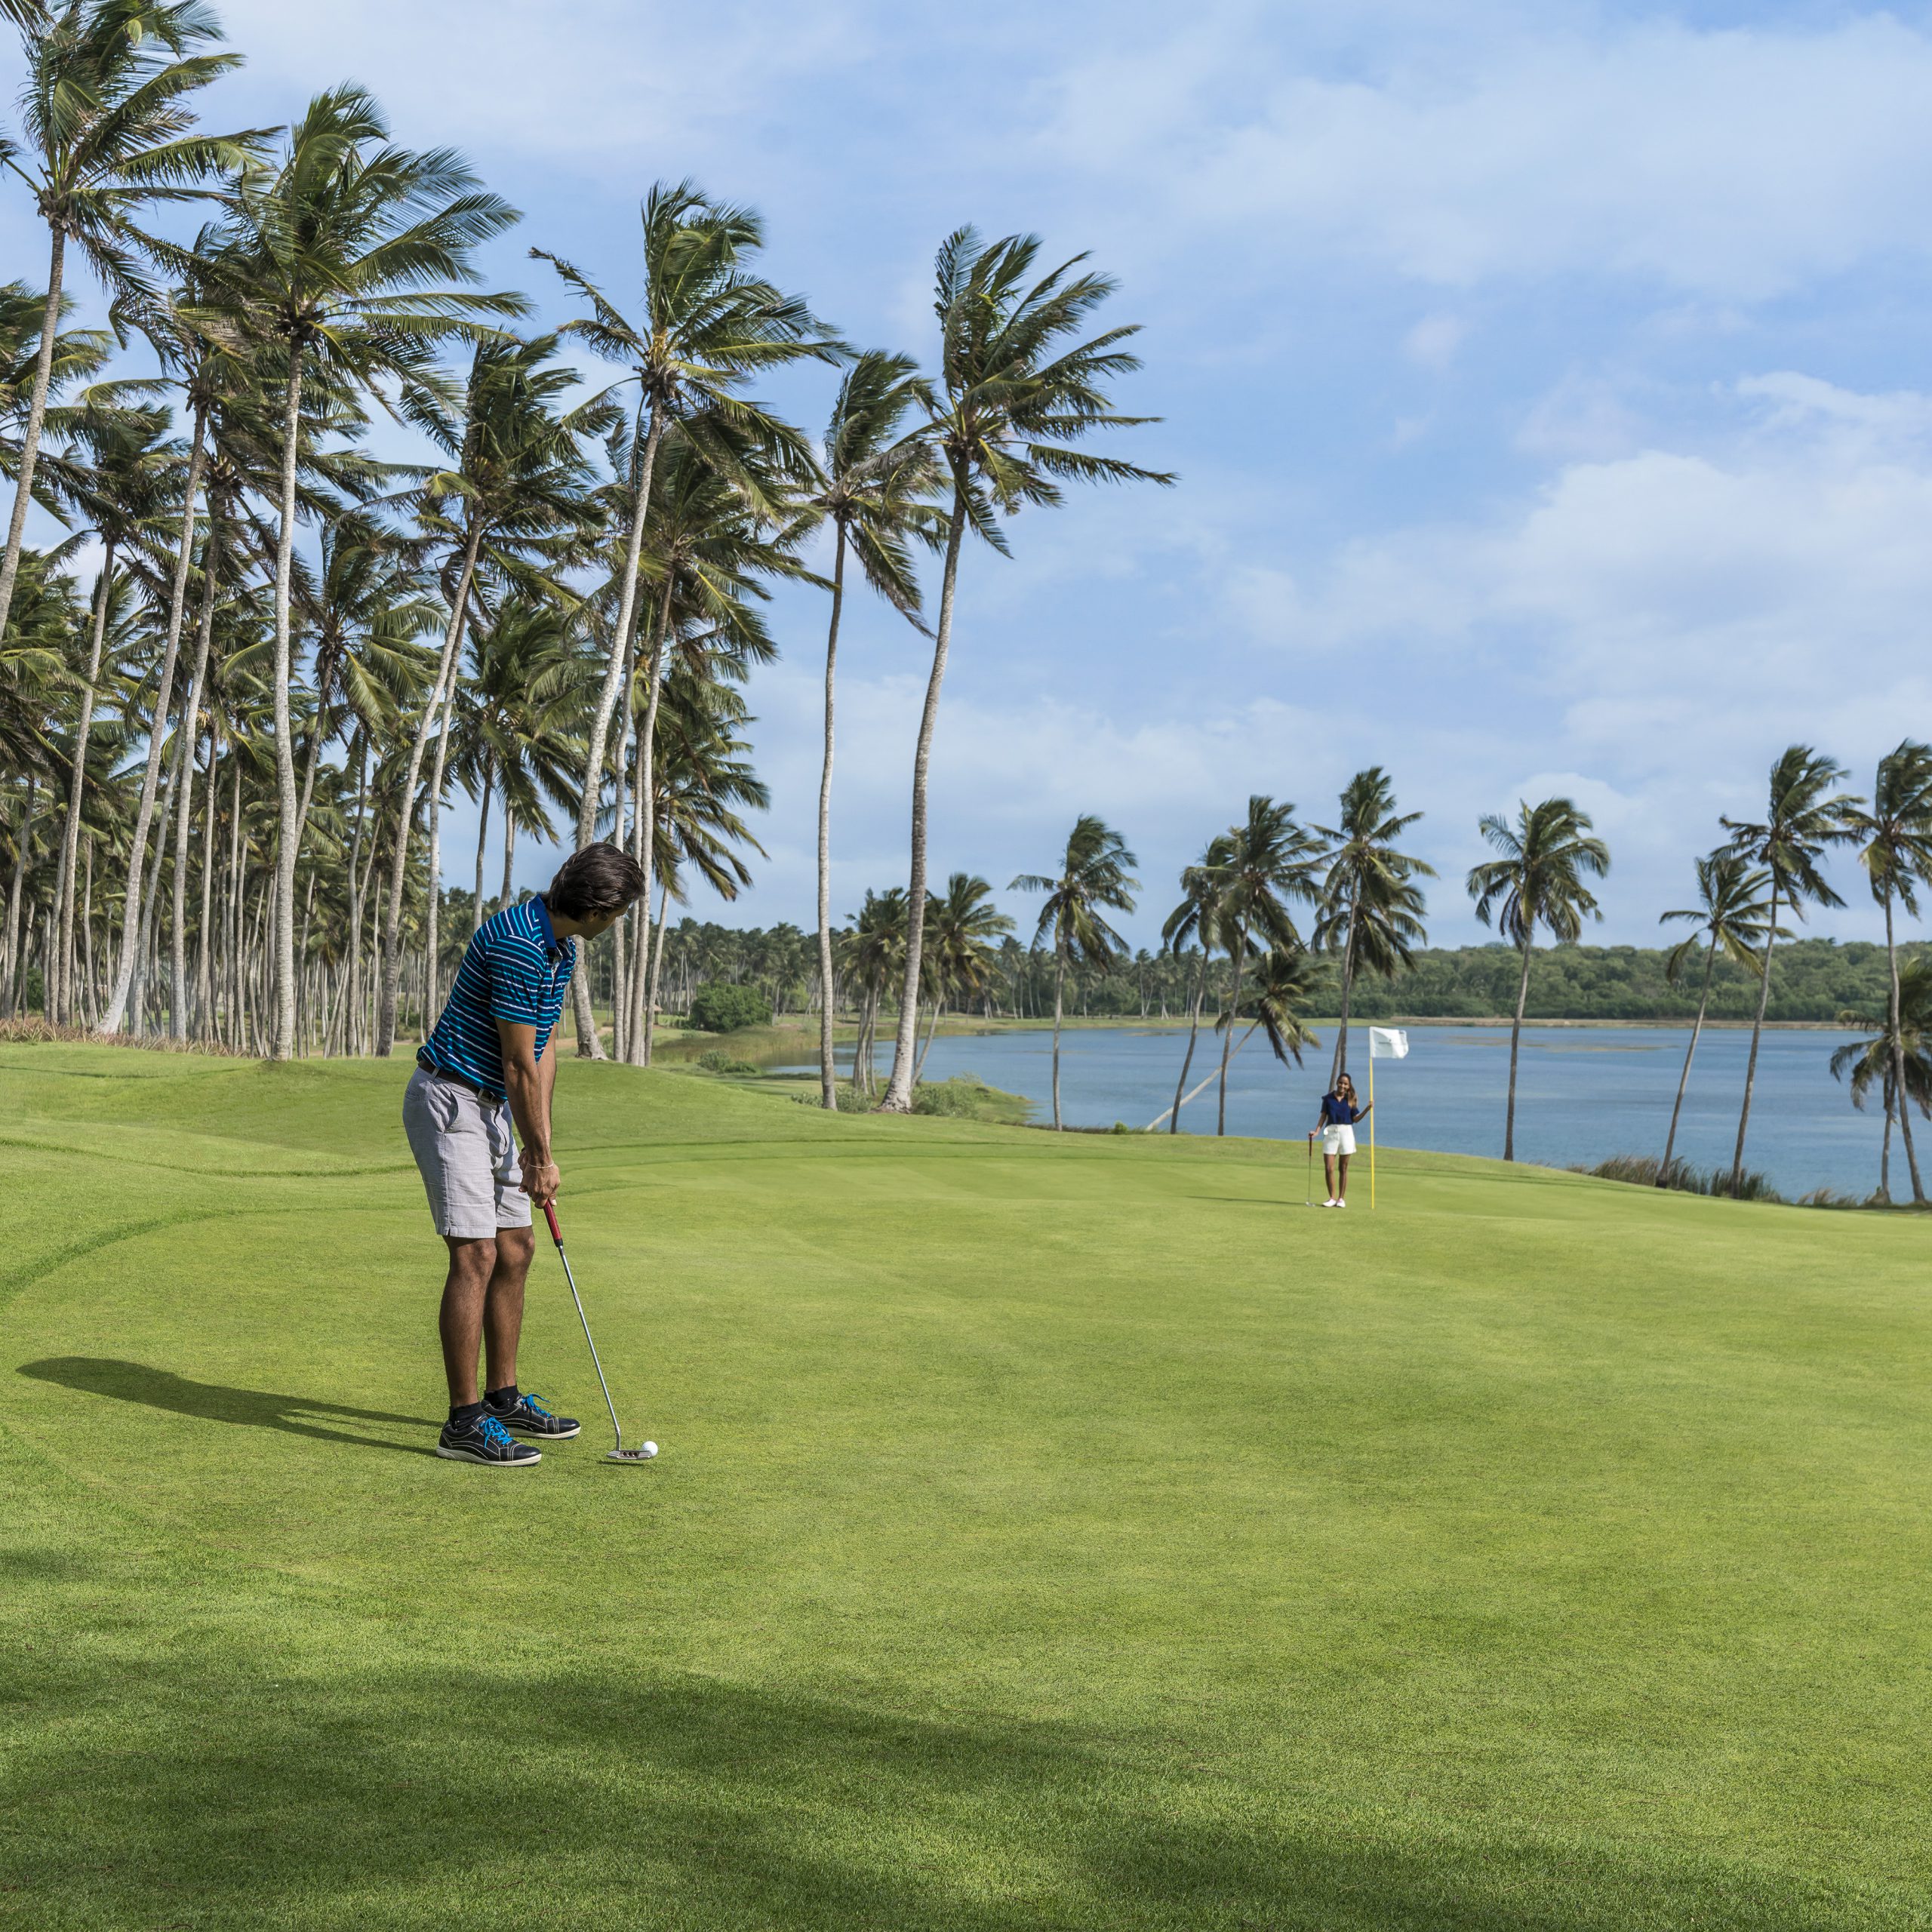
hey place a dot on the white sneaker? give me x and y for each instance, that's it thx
(1327, 1204)
(1338, 1203)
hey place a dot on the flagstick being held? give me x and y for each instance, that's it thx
(1384, 1043)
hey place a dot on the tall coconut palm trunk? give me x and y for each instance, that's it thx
(131, 918)
(70, 840)
(432, 928)
(281, 924)
(43, 381)
(1341, 1066)
(588, 1046)
(487, 787)
(1757, 1032)
(647, 793)
(1227, 1039)
(1193, 1033)
(509, 847)
(191, 736)
(392, 922)
(1516, 1042)
(1690, 1053)
(828, 1078)
(15, 975)
(899, 1089)
(1898, 1066)
(1059, 986)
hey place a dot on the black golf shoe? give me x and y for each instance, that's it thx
(484, 1440)
(527, 1416)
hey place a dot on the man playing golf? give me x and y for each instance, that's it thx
(483, 1080)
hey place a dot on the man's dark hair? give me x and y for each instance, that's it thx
(601, 878)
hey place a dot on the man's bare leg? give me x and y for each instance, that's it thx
(459, 1322)
(502, 1307)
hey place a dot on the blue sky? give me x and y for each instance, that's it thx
(1547, 384)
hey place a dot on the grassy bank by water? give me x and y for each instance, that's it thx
(1049, 1533)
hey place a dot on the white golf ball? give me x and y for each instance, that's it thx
(650, 1448)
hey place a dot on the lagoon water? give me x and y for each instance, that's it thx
(1583, 1093)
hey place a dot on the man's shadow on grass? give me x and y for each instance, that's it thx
(213, 1401)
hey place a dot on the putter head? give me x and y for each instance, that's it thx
(640, 1455)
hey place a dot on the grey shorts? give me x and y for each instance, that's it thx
(466, 1150)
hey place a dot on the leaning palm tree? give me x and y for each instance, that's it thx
(1260, 866)
(1731, 914)
(1194, 918)
(1803, 818)
(875, 492)
(1897, 859)
(344, 253)
(1371, 906)
(1017, 391)
(1896, 1057)
(109, 132)
(1093, 880)
(1538, 881)
(706, 325)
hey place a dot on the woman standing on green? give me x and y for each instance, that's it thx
(1339, 1113)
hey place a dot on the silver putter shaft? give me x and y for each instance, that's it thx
(619, 1454)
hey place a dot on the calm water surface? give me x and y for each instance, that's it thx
(1583, 1093)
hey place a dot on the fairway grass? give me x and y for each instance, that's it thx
(1051, 1532)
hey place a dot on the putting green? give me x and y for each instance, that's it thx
(1049, 1533)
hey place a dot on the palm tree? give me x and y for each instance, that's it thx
(712, 547)
(343, 254)
(875, 492)
(1537, 882)
(873, 950)
(1804, 817)
(1258, 867)
(1093, 879)
(1194, 918)
(1898, 1056)
(1371, 907)
(964, 928)
(106, 112)
(114, 474)
(1731, 914)
(1897, 859)
(1017, 392)
(707, 326)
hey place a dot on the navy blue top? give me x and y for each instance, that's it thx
(1337, 1112)
(515, 968)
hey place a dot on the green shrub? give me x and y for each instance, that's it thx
(717, 1061)
(1640, 1170)
(967, 1097)
(729, 1009)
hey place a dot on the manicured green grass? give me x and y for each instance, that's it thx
(1049, 1533)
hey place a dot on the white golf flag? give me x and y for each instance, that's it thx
(1387, 1043)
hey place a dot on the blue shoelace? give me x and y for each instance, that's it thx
(494, 1433)
(534, 1404)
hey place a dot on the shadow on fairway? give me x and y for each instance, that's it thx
(214, 1401)
(638, 1800)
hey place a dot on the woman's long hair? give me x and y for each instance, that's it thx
(1346, 1081)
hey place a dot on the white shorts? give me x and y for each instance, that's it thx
(466, 1149)
(1338, 1141)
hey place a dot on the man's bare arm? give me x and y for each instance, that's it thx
(527, 1084)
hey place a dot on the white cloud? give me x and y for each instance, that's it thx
(1433, 341)
(1728, 164)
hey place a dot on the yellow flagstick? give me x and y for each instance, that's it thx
(1371, 1121)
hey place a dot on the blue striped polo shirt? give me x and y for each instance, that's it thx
(515, 968)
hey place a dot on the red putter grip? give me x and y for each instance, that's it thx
(550, 1215)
